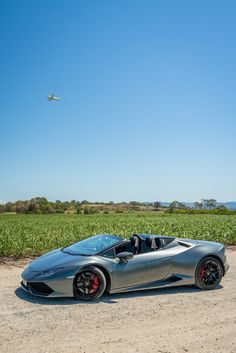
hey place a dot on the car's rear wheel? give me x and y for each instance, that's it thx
(209, 273)
(89, 284)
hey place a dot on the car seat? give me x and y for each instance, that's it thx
(135, 242)
(153, 244)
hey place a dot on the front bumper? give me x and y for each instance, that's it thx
(49, 289)
(37, 288)
(59, 284)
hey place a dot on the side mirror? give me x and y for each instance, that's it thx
(125, 256)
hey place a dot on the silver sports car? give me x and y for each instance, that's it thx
(85, 270)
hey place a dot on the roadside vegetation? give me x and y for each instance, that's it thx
(23, 235)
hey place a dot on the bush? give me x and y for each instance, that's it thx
(79, 210)
(90, 210)
(216, 211)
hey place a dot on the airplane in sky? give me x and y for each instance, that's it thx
(52, 97)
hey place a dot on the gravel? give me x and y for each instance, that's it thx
(173, 320)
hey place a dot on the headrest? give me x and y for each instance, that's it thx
(158, 242)
(148, 242)
(132, 240)
(154, 243)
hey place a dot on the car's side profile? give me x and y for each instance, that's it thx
(85, 270)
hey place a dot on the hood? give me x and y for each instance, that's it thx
(53, 259)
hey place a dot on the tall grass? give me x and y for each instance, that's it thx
(31, 235)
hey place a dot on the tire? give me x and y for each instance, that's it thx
(89, 284)
(209, 273)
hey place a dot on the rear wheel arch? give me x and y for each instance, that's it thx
(213, 275)
(221, 262)
(215, 257)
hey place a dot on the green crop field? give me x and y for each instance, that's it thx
(31, 235)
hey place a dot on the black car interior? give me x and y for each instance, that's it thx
(138, 245)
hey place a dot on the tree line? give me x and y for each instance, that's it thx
(206, 206)
(40, 205)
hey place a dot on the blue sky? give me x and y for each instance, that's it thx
(148, 109)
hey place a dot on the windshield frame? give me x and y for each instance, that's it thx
(110, 246)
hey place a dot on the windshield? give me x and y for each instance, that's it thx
(92, 246)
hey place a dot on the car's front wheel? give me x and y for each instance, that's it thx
(89, 284)
(209, 273)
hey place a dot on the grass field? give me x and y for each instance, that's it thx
(30, 235)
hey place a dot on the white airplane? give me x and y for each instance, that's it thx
(52, 97)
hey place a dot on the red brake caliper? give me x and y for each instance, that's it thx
(95, 283)
(202, 273)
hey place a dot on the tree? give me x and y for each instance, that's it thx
(209, 204)
(212, 203)
(21, 206)
(8, 207)
(73, 203)
(156, 205)
(173, 205)
(177, 205)
(135, 203)
(79, 209)
(40, 200)
(33, 207)
(198, 205)
(90, 210)
(85, 202)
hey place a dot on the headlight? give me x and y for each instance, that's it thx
(49, 272)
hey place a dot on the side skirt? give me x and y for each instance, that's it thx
(173, 281)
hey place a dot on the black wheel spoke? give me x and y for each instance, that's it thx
(209, 273)
(87, 284)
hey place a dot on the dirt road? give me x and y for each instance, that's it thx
(162, 321)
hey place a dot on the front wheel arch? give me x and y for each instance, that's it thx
(106, 274)
(94, 270)
(108, 278)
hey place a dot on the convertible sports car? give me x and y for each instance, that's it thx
(85, 270)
